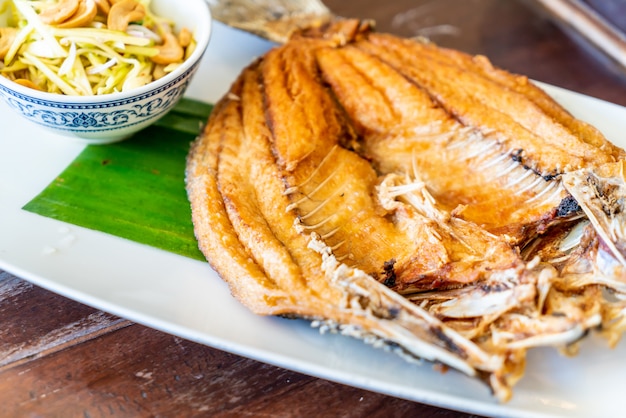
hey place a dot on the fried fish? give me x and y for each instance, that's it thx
(412, 196)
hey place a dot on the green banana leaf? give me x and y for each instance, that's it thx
(133, 189)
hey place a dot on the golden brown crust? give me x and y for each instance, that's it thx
(480, 102)
(387, 108)
(382, 186)
(212, 226)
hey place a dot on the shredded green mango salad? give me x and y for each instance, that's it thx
(88, 47)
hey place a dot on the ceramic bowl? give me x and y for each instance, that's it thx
(113, 117)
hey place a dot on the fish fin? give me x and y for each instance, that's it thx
(601, 193)
(275, 20)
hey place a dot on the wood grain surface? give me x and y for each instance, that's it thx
(59, 358)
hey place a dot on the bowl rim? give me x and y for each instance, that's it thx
(203, 33)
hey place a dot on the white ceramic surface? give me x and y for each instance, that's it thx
(186, 298)
(113, 117)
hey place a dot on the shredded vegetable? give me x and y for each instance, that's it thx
(88, 47)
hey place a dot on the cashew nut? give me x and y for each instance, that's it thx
(86, 12)
(59, 12)
(159, 71)
(7, 36)
(170, 51)
(123, 12)
(184, 37)
(104, 6)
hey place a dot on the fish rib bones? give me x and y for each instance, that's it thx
(409, 195)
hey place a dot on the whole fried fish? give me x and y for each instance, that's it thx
(412, 196)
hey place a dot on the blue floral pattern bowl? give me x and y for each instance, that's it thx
(114, 117)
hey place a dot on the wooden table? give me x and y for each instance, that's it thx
(59, 358)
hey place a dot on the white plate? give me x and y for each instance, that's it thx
(186, 298)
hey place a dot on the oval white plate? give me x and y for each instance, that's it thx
(186, 298)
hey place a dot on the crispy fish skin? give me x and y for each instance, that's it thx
(522, 85)
(332, 187)
(289, 270)
(317, 192)
(406, 131)
(486, 139)
(212, 228)
(516, 118)
(303, 276)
